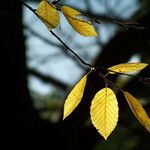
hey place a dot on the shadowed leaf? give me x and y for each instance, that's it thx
(138, 110)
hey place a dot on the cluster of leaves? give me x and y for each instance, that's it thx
(104, 107)
(48, 13)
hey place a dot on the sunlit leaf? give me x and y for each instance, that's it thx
(77, 21)
(138, 110)
(127, 67)
(48, 14)
(74, 97)
(104, 112)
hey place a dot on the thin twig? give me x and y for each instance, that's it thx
(68, 48)
(114, 85)
(30, 8)
(49, 42)
(125, 25)
(59, 39)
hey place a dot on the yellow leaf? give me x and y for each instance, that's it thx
(127, 67)
(83, 27)
(104, 112)
(138, 110)
(48, 14)
(74, 97)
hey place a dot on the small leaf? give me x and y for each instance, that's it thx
(104, 112)
(76, 20)
(138, 110)
(74, 97)
(127, 67)
(48, 14)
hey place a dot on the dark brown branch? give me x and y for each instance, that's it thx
(49, 79)
(98, 18)
(55, 2)
(68, 48)
(126, 25)
(29, 7)
(58, 38)
(47, 41)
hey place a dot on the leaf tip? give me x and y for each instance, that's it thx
(95, 34)
(105, 137)
(64, 117)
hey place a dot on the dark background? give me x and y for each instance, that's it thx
(24, 128)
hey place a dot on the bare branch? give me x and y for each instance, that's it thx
(124, 25)
(49, 79)
(68, 48)
(47, 41)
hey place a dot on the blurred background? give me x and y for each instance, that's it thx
(38, 73)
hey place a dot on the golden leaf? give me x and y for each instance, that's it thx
(83, 27)
(138, 110)
(48, 14)
(127, 67)
(104, 112)
(74, 97)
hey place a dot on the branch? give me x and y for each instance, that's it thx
(49, 79)
(97, 18)
(125, 25)
(68, 48)
(47, 41)
(58, 38)
(121, 23)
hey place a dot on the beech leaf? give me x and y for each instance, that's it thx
(74, 97)
(76, 20)
(48, 14)
(127, 67)
(138, 110)
(104, 112)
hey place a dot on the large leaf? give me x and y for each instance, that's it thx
(104, 112)
(127, 67)
(74, 97)
(77, 22)
(138, 110)
(48, 14)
